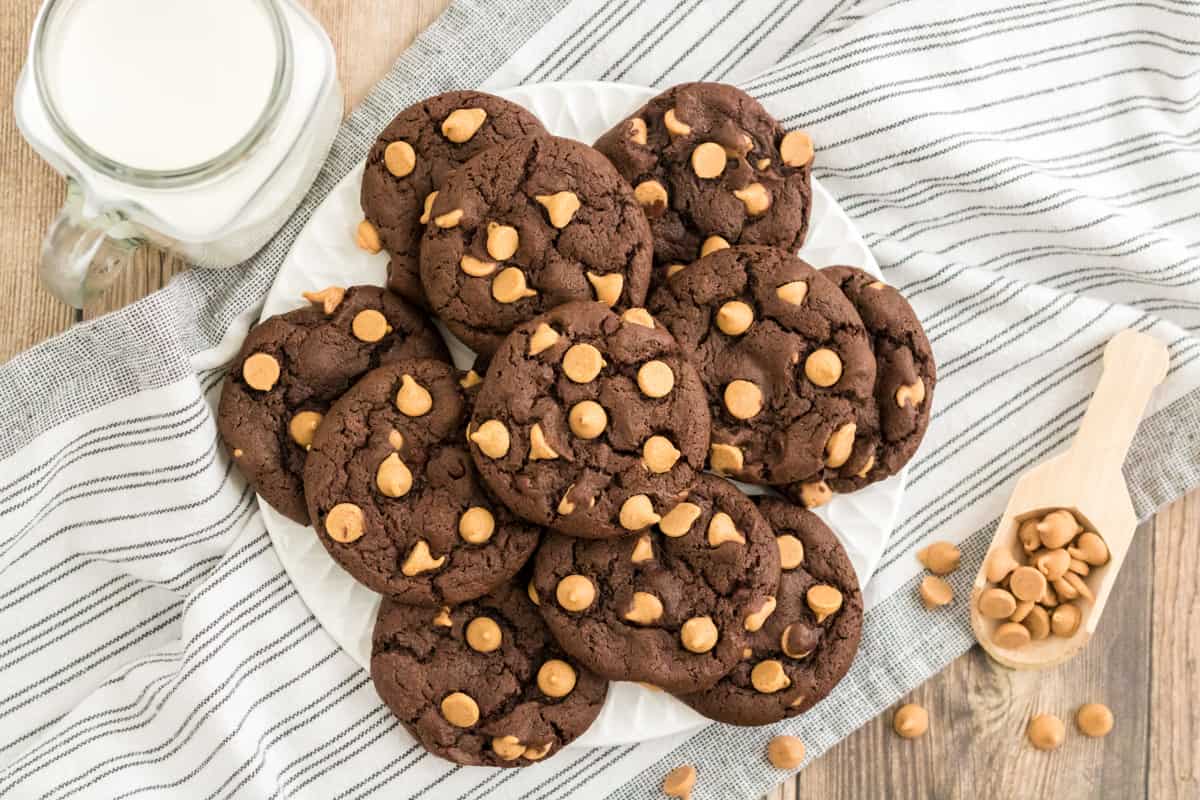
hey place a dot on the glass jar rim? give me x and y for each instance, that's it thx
(182, 176)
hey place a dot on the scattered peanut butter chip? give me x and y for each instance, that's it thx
(413, 399)
(460, 710)
(712, 244)
(793, 292)
(637, 512)
(543, 338)
(681, 780)
(674, 125)
(366, 236)
(484, 635)
(1065, 620)
(769, 677)
(1046, 732)
(643, 550)
(509, 286)
(637, 130)
(1058, 528)
(462, 123)
(639, 316)
(328, 298)
(449, 219)
(940, 558)
(734, 318)
(475, 268)
(679, 520)
(1090, 549)
(1094, 719)
(650, 194)
(743, 399)
(260, 371)
(607, 287)
(725, 459)
(659, 455)
(791, 551)
(721, 529)
(393, 477)
(442, 618)
(556, 678)
(582, 363)
(370, 325)
(587, 419)
(997, 603)
(999, 564)
(644, 608)
(1038, 623)
(345, 523)
(502, 241)
(303, 426)
(708, 160)
(1027, 533)
(839, 445)
(399, 158)
(575, 593)
(824, 600)
(655, 379)
(420, 560)
(911, 394)
(1080, 568)
(1027, 583)
(1011, 635)
(935, 592)
(815, 493)
(796, 148)
(823, 367)
(1052, 563)
(507, 748)
(1022, 611)
(428, 209)
(560, 207)
(910, 721)
(1080, 586)
(785, 752)
(492, 438)
(755, 198)
(539, 448)
(699, 634)
(756, 619)
(476, 525)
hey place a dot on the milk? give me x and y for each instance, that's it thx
(162, 84)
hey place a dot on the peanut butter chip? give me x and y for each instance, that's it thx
(796, 148)
(637, 512)
(1027, 583)
(674, 125)
(996, 603)
(679, 520)
(1058, 528)
(940, 558)
(824, 600)
(575, 593)
(328, 298)
(839, 445)
(725, 459)
(644, 608)
(1094, 719)
(1081, 588)
(532, 592)
(650, 194)
(755, 198)
(399, 158)
(708, 160)
(911, 395)
(721, 530)
(449, 219)
(1011, 635)
(642, 550)
(476, 268)
(1027, 533)
(507, 748)
(655, 379)
(755, 620)
(637, 130)
(556, 678)
(587, 419)
(413, 399)
(743, 399)
(393, 478)
(681, 780)
(639, 316)
(462, 124)
(476, 525)
(1052, 563)
(785, 752)
(470, 380)
(345, 523)
(1090, 549)
(582, 363)
(1038, 623)
(238, 452)
(539, 449)
(815, 493)
(303, 426)
(509, 286)
(607, 287)
(763, 163)
(370, 325)
(420, 560)
(793, 292)
(260, 371)
(428, 209)
(560, 207)
(537, 753)
(675, 269)
(999, 564)
(712, 244)
(734, 318)
(366, 236)
(1065, 620)
(910, 721)
(492, 438)
(935, 592)
(1046, 732)
(442, 618)
(1022, 611)
(659, 455)
(460, 710)
(502, 241)
(768, 676)
(699, 634)
(823, 367)
(791, 551)
(484, 635)
(1078, 567)
(543, 338)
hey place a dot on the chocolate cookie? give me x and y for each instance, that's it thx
(293, 366)
(805, 639)
(783, 355)
(482, 683)
(712, 168)
(526, 226)
(673, 606)
(590, 423)
(891, 426)
(393, 494)
(412, 158)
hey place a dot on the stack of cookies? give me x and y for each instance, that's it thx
(550, 520)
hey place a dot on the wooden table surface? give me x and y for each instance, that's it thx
(1145, 662)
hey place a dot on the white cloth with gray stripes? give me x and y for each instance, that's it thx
(1028, 173)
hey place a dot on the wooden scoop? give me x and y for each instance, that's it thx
(1086, 480)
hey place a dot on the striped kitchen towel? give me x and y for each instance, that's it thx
(1028, 173)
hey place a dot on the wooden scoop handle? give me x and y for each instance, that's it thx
(1134, 364)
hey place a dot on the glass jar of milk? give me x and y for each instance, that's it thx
(195, 125)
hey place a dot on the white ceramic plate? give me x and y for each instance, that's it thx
(324, 253)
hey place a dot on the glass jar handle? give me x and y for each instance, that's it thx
(82, 257)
